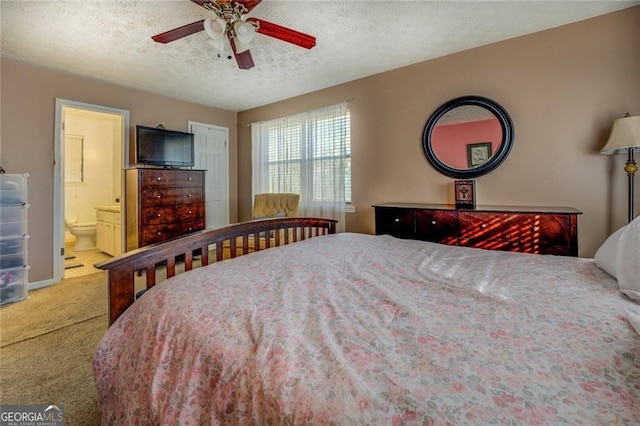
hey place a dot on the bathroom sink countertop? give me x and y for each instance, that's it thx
(114, 208)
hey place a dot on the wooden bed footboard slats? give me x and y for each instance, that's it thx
(219, 244)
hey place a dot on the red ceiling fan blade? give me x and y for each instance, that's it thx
(244, 59)
(178, 33)
(249, 4)
(283, 33)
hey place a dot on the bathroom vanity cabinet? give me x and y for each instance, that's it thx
(109, 230)
(162, 204)
(13, 238)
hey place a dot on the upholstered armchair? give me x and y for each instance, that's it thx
(272, 205)
(269, 206)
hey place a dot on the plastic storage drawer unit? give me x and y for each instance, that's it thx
(13, 238)
(13, 284)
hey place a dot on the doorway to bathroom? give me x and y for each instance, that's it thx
(92, 142)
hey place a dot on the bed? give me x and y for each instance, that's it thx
(361, 329)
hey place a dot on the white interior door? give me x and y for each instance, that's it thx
(212, 155)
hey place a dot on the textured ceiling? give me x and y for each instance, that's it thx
(111, 40)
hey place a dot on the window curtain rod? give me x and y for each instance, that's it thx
(348, 102)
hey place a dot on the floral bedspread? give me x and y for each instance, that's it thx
(361, 329)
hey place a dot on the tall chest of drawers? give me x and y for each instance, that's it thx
(162, 204)
(541, 230)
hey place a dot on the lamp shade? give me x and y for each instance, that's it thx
(218, 44)
(215, 28)
(245, 32)
(625, 133)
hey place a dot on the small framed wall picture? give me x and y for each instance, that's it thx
(478, 154)
(465, 194)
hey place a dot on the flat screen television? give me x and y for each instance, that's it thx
(163, 147)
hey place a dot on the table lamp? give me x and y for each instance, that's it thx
(625, 138)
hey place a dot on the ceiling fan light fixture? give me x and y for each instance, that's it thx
(245, 32)
(215, 28)
(219, 45)
(231, 29)
(240, 46)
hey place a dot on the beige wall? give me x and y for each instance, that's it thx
(27, 136)
(562, 87)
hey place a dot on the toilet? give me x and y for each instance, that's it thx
(85, 233)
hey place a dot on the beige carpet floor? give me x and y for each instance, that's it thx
(51, 308)
(47, 343)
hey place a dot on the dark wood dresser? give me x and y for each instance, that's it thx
(163, 204)
(541, 230)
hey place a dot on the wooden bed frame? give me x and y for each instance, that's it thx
(227, 242)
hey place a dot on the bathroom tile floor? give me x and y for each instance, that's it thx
(81, 263)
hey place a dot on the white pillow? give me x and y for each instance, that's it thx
(619, 256)
(608, 252)
(634, 320)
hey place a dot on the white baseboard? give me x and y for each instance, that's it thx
(40, 284)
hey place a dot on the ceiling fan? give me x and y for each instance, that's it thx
(231, 23)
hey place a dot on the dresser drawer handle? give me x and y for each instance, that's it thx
(189, 195)
(189, 179)
(189, 212)
(158, 196)
(158, 178)
(190, 229)
(433, 222)
(159, 233)
(159, 214)
(396, 220)
(484, 225)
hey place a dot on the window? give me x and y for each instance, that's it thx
(73, 158)
(303, 150)
(308, 154)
